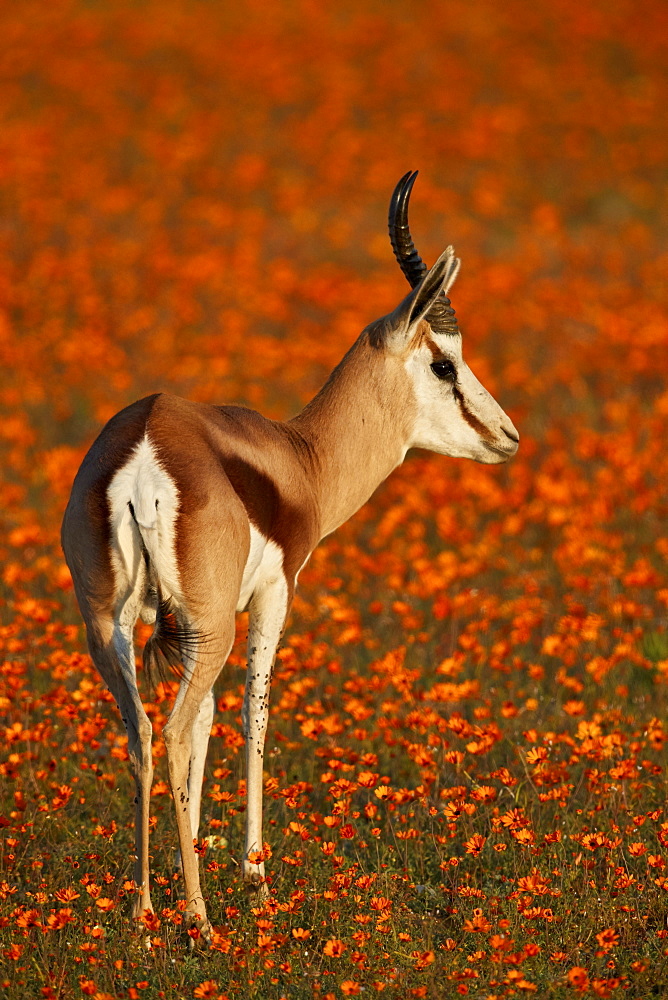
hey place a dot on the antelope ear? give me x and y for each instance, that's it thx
(396, 330)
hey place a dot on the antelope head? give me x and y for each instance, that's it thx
(455, 415)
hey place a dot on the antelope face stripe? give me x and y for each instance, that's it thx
(456, 415)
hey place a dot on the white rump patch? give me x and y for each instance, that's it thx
(144, 483)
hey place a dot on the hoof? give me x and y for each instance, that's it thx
(144, 920)
(142, 911)
(256, 886)
(198, 928)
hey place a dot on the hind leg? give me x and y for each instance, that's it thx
(200, 745)
(215, 542)
(111, 648)
(186, 738)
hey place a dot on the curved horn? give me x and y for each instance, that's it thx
(441, 317)
(409, 260)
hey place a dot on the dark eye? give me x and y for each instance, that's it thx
(444, 370)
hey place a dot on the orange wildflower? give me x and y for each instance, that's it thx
(334, 948)
(422, 959)
(105, 904)
(207, 989)
(608, 938)
(475, 844)
(66, 895)
(479, 924)
(578, 978)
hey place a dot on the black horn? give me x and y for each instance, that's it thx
(441, 317)
(408, 258)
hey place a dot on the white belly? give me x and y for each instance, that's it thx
(264, 565)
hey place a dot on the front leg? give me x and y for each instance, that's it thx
(267, 613)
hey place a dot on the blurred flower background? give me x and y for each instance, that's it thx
(466, 772)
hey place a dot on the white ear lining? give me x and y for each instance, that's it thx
(453, 270)
(448, 265)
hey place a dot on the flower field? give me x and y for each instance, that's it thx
(466, 776)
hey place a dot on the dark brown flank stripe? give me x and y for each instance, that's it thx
(227, 458)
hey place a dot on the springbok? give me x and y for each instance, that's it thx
(184, 513)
